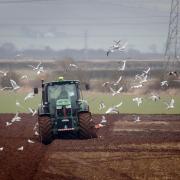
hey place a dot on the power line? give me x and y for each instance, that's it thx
(83, 24)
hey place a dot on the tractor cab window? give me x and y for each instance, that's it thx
(66, 91)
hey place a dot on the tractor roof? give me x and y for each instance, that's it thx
(62, 82)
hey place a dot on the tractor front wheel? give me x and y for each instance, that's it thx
(45, 129)
(86, 126)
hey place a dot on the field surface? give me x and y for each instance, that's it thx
(124, 149)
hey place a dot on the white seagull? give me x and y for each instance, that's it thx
(105, 84)
(30, 141)
(137, 86)
(116, 92)
(112, 110)
(122, 68)
(101, 105)
(138, 100)
(170, 105)
(36, 133)
(117, 47)
(103, 121)
(29, 96)
(154, 97)
(36, 67)
(14, 85)
(20, 148)
(8, 124)
(144, 79)
(137, 119)
(40, 70)
(16, 118)
(147, 70)
(164, 83)
(73, 65)
(1, 148)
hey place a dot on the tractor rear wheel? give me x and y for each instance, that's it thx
(45, 129)
(86, 126)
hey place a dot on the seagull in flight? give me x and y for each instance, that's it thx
(36, 133)
(20, 148)
(112, 110)
(4, 73)
(101, 105)
(73, 65)
(14, 85)
(164, 83)
(103, 121)
(35, 68)
(40, 70)
(16, 118)
(147, 70)
(138, 100)
(137, 86)
(170, 105)
(154, 97)
(8, 124)
(144, 79)
(117, 47)
(137, 119)
(30, 141)
(105, 84)
(29, 96)
(122, 68)
(1, 148)
(116, 92)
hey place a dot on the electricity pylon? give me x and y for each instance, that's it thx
(172, 51)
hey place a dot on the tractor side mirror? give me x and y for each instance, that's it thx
(35, 90)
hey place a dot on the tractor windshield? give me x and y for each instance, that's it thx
(63, 91)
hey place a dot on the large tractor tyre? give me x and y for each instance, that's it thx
(45, 130)
(86, 126)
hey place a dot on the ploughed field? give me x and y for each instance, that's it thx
(124, 149)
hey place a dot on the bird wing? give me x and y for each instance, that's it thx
(112, 90)
(120, 89)
(39, 65)
(172, 102)
(13, 83)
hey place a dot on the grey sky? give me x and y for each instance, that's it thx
(62, 24)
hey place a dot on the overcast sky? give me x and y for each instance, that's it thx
(63, 24)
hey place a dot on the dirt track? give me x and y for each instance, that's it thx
(125, 149)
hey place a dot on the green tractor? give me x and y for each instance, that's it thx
(63, 111)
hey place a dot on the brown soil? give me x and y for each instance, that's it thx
(124, 149)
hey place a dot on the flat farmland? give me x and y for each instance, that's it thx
(124, 149)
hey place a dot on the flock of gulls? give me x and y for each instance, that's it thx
(14, 88)
(140, 81)
(115, 87)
